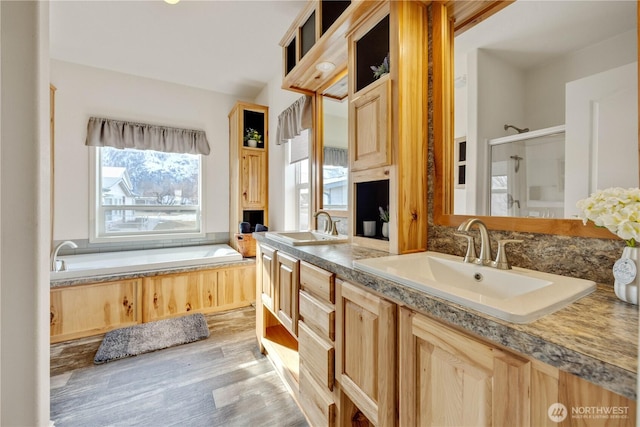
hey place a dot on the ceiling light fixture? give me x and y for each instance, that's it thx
(172, 1)
(325, 66)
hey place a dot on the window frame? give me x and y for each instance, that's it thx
(299, 187)
(96, 209)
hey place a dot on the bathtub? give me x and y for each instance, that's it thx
(106, 263)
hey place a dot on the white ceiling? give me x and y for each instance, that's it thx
(232, 46)
(529, 33)
(224, 46)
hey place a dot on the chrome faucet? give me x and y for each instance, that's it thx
(485, 243)
(501, 262)
(54, 255)
(328, 225)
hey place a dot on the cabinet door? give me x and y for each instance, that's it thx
(365, 341)
(267, 276)
(171, 296)
(253, 180)
(369, 127)
(450, 379)
(288, 278)
(81, 311)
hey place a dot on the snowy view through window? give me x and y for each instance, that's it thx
(148, 192)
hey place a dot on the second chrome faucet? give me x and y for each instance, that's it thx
(485, 257)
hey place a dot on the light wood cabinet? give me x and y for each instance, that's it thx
(317, 403)
(253, 181)
(317, 315)
(450, 378)
(317, 356)
(346, 368)
(388, 124)
(288, 279)
(248, 168)
(369, 127)
(366, 353)
(274, 339)
(316, 337)
(267, 276)
(86, 310)
(318, 282)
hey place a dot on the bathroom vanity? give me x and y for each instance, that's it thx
(353, 346)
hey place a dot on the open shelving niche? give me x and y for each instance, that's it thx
(279, 341)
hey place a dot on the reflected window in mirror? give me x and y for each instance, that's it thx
(299, 156)
(335, 168)
(532, 68)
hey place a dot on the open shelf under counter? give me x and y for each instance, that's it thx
(284, 348)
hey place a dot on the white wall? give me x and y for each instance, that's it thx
(85, 91)
(24, 214)
(281, 174)
(545, 85)
(336, 123)
(498, 101)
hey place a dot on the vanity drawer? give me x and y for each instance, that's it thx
(318, 315)
(317, 281)
(317, 403)
(317, 355)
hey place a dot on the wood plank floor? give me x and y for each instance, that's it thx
(221, 381)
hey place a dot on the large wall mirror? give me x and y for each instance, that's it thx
(545, 96)
(333, 138)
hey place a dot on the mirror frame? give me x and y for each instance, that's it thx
(445, 26)
(317, 160)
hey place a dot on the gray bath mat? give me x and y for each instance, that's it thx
(147, 337)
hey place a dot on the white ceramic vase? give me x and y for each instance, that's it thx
(385, 229)
(252, 143)
(625, 272)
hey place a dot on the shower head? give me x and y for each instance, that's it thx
(506, 127)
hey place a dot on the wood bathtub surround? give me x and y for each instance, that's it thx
(95, 308)
(86, 310)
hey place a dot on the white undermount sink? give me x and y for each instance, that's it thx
(518, 295)
(300, 238)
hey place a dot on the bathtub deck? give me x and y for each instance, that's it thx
(223, 380)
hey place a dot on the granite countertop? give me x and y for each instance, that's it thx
(595, 338)
(135, 275)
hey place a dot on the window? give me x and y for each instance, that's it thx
(144, 194)
(303, 199)
(499, 196)
(335, 183)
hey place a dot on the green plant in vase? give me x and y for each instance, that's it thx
(382, 69)
(384, 217)
(252, 137)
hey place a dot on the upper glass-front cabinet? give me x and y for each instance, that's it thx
(314, 47)
(372, 54)
(314, 21)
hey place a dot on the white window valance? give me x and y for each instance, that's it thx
(336, 156)
(292, 121)
(140, 136)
